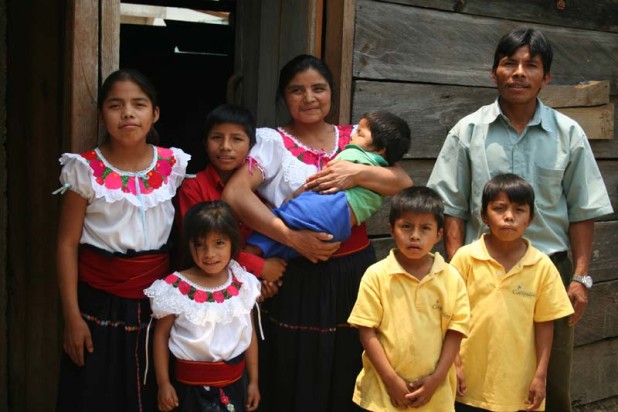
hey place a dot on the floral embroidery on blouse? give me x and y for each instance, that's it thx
(201, 296)
(314, 157)
(149, 181)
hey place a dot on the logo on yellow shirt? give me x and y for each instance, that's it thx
(519, 290)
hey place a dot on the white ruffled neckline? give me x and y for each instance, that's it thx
(166, 299)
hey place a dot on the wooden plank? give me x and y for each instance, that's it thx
(110, 38)
(83, 73)
(437, 47)
(432, 110)
(268, 60)
(596, 15)
(604, 258)
(595, 372)
(600, 321)
(597, 122)
(604, 405)
(338, 51)
(4, 367)
(589, 93)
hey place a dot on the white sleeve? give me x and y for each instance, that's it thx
(268, 151)
(77, 173)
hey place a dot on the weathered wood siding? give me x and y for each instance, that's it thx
(430, 62)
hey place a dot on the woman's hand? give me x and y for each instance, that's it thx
(315, 246)
(76, 336)
(336, 176)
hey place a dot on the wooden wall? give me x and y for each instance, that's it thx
(430, 62)
(3, 213)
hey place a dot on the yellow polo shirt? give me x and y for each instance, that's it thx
(499, 355)
(411, 319)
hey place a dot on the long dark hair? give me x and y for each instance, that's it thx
(299, 64)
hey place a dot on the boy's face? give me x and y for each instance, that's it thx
(227, 146)
(362, 137)
(507, 220)
(415, 234)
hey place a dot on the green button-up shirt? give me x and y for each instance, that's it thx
(552, 153)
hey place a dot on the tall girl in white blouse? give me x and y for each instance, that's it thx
(115, 222)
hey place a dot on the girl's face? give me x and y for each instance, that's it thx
(128, 114)
(307, 97)
(212, 253)
(227, 146)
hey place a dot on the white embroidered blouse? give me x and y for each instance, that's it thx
(126, 210)
(211, 325)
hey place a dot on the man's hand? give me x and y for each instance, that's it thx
(579, 299)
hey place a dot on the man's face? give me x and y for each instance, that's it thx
(520, 77)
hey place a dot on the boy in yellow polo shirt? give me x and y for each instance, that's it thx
(515, 293)
(412, 312)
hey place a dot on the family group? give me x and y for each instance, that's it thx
(253, 285)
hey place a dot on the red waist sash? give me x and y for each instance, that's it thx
(208, 373)
(358, 241)
(122, 276)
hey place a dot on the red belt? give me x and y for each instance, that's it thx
(122, 276)
(358, 241)
(208, 373)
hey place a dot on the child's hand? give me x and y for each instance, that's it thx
(167, 397)
(397, 389)
(422, 390)
(268, 290)
(76, 336)
(536, 393)
(253, 396)
(273, 269)
(461, 380)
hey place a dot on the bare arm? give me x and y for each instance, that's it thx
(396, 386)
(341, 175)
(76, 331)
(454, 234)
(251, 356)
(167, 397)
(543, 336)
(580, 236)
(239, 194)
(425, 387)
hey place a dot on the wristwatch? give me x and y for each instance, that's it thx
(584, 280)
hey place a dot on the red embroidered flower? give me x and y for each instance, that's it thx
(90, 155)
(164, 152)
(200, 296)
(184, 287)
(133, 180)
(98, 168)
(154, 179)
(164, 167)
(218, 296)
(232, 290)
(170, 279)
(113, 181)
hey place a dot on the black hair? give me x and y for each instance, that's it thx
(517, 189)
(389, 132)
(208, 217)
(142, 82)
(417, 199)
(535, 39)
(299, 64)
(230, 113)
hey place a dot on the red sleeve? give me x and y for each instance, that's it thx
(252, 263)
(188, 195)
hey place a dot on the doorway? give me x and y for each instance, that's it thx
(189, 56)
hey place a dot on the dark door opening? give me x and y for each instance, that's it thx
(189, 56)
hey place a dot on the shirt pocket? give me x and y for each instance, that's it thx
(547, 185)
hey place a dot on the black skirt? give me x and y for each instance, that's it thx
(112, 378)
(311, 356)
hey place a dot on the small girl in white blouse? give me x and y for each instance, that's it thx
(204, 318)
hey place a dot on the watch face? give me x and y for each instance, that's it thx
(587, 281)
